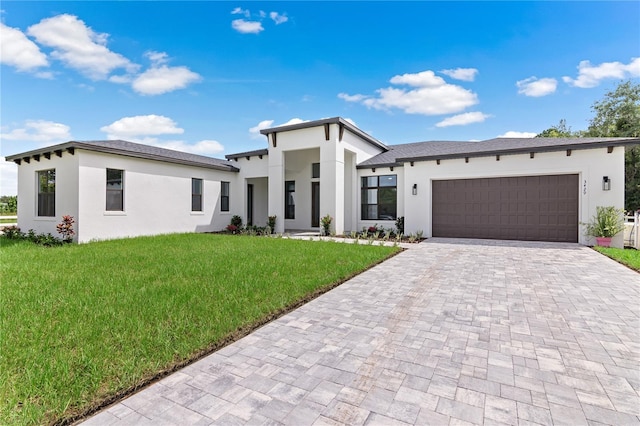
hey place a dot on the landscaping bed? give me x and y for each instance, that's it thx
(83, 325)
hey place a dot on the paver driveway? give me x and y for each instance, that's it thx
(448, 332)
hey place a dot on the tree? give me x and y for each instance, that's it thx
(8, 204)
(558, 131)
(618, 115)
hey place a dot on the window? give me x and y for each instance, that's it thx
(196, 195)
(315, 170)
(115, 198)
(379, 195)
(224, 196)
(289, 199)
(47, 193)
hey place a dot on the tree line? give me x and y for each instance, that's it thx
(617, 114)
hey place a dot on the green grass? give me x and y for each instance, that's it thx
(8, 220)
(82, 323)
(629, 257)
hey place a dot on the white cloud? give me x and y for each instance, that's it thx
(38, 131)
(157, 58)
(141, 125)
(18, 51)
(535, 87)
(352, 98)
(277, 18)
(591, 75)
(266, 124)
(247, 27)
(464, 74)
(79, 47)
(294, 121)
(429, 95)
(514, 134)
(205, 147)
(463, 119)
(162, 79)
(255, 130)
(241, 11)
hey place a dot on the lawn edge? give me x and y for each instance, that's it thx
(72, 418)
(616, 260)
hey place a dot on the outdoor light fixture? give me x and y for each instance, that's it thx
(414, 190)
(606, 183)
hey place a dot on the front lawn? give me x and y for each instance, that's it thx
(629, 257)
(80, 324)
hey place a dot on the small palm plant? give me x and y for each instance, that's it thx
(607, 223)
(326, 224)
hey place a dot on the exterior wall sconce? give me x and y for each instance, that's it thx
(414, 190)
(606, 183)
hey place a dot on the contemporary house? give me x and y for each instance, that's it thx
(525, 189)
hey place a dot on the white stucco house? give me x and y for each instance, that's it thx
(525, 189)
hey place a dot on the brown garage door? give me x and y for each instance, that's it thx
(534, 208)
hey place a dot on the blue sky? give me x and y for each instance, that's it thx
(205, 77)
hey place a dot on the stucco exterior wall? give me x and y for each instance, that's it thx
(66, 200)
(157, 198)
(590, 164)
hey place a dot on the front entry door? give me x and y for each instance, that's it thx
(315, 204)
(250, 204)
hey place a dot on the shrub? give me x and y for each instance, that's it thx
(326, 224)
(65, 228)
(236, 221)
(400, 225)
(232, 228)
(271, 223)
(12, 233)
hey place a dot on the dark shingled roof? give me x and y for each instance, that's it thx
(440, 150)
(136, 150)
(247, 154)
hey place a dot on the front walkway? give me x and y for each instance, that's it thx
(447, 332)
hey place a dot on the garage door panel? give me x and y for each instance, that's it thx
(538, 208)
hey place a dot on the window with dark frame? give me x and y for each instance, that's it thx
(115, 190)
(315, 170)
(224, 196)
(196, 195)
(379, 197)
(47, 193)
(289, 199)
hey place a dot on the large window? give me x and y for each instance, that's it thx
(47, 193)
(224, 196)
(196, 195)
(379, 197)
(115, 190)
(289, 199)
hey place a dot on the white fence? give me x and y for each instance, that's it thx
(13, 221)
(632, 231)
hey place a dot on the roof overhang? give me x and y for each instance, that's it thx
(605, 143)
(344, 125)
(71, 146)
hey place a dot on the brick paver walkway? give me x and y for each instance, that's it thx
(448, 332)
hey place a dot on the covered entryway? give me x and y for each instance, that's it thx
(532, 208)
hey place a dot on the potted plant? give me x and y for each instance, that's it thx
(606, 224)
(326, 224)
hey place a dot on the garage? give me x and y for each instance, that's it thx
(530, 208)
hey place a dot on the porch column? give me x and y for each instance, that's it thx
(276, 187)
(332, 181)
